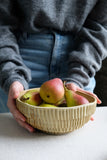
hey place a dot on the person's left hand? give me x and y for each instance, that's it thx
(75, 88)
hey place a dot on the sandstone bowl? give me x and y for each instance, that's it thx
(58, 120)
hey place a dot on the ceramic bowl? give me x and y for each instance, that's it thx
(57, 120)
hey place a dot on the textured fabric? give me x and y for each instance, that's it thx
(50, 54)
(86, 20)
(3, 102)
(46, 55)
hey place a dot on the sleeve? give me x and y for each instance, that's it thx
(12, 67)
(90, 47)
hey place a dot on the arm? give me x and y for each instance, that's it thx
(14, 75)
(11, 65)
(90, 46)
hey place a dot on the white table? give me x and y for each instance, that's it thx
(87, 143)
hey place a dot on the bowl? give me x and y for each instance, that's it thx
(58, 120)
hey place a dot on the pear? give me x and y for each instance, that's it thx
(73, 99)
(61, 102)
(47, 105)
(52, 91)
(32, 97)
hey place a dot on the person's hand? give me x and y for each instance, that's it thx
(14, 91)
(75, 88)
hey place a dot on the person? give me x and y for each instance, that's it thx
(41, 40)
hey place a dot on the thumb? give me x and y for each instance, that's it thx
(72, 86)
(15, 90)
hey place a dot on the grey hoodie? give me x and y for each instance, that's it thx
(85, 19)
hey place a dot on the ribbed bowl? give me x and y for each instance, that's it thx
(57, 120)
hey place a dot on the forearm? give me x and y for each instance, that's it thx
(89, 51)
(12, 67)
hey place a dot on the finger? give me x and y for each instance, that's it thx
(26, 126)
(13, 109)
(18, 115)
(75, 88)
(71, 86)
(92, 119)
(15, 89)
(92, 94)
(15, 92)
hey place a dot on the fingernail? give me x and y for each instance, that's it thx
(31, 129)
(23, 119)
(92, 119)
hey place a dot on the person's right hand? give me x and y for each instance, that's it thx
(14, 91)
